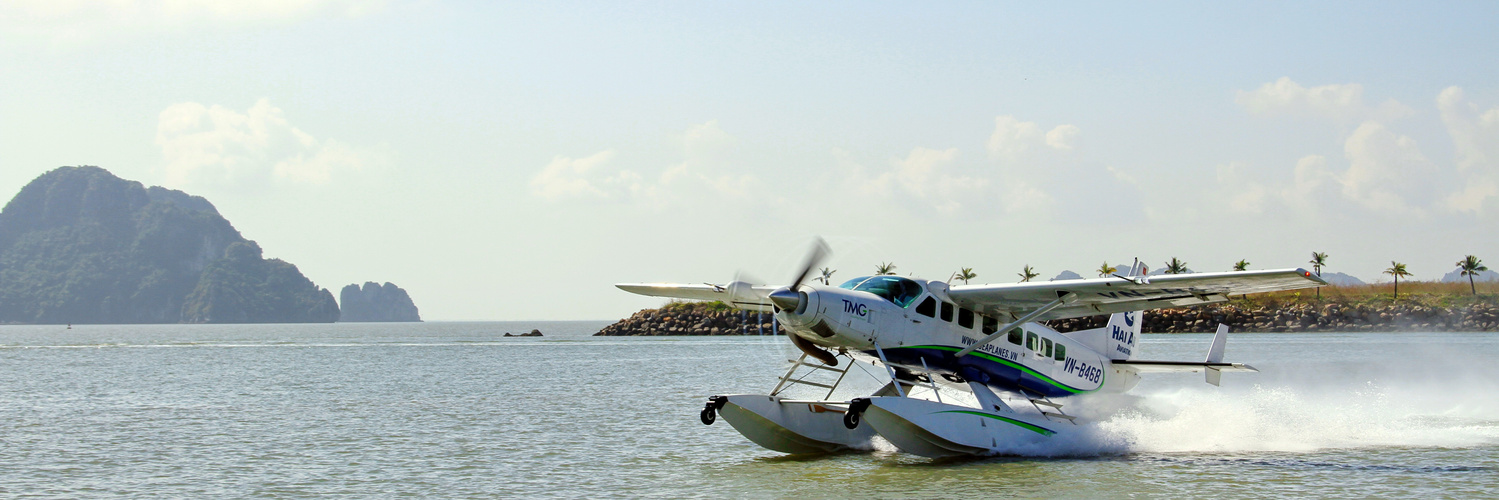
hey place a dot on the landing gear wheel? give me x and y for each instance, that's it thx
(710, 410)
(855, 408)
(851, 420)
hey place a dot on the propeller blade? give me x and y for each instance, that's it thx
(819, 252)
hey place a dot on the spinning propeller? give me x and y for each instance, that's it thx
(791, 298)
(788, 298)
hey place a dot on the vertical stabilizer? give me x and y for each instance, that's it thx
(1215, 354)
(1115, 340)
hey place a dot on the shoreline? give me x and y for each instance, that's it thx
(1478, 315)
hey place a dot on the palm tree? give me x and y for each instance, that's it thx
(1471, 266)
(1398, 271)
(827, 275)
(1176, 266)
(1107, 270)
(964, 274)
(1241, 265)
(1319, 259)
(1027, 273)
(885, 268)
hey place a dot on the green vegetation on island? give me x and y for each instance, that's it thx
(80, 245)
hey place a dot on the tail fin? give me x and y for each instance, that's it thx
(1115, 340)
(1123, 329)
(1215, 354)
(1139, 273)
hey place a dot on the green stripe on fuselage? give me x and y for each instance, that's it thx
(1030, 427)
(1012, 364)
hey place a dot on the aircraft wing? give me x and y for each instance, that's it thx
(1115, 294)
(738, 294)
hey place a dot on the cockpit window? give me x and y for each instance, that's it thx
(896, 289)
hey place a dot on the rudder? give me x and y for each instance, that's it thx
(1116, 340)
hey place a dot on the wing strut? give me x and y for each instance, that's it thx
(1066, 298)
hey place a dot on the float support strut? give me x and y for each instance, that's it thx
(1066, 298)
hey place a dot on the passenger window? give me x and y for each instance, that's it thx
(947, 312)
(1015, 336)
(1045, 348)
(927, 308)
(1061, 352)
(965, 318)
(1032, 342)
(991, 325)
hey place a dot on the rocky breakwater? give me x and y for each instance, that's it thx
(1241, 316)
(693, 318)
(1312, 317)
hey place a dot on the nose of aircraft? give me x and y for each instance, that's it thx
(797, 305)
(786, 299)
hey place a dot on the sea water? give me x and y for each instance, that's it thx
(456, 410)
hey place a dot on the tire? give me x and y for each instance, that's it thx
(851, 419)
(708, 416)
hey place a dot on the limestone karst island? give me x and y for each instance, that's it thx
(80, 245)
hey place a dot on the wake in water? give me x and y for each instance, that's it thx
(1299, 409)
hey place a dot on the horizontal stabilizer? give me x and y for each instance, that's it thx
(1182, 366)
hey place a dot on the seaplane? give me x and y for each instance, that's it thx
(930, 337)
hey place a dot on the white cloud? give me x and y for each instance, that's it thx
(1312, 182)
(1337, 101)
(1386, 171)
(705, 173)
(216, 146)
(1245, 195)
(1012, 137)
(927, 177)
(1063, 137)
(1475, 136)
(565, 178)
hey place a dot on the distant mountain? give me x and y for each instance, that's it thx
(1067, 275)
(80, 245)
(376, 303)
(1456, 276)
(1340, 279)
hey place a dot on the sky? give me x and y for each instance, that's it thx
(512, 161)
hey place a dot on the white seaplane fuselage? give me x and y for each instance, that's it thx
(914, 322)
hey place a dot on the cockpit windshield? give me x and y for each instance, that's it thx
(896, 289)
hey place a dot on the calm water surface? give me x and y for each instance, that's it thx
(456, 410)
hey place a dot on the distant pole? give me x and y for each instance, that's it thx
(743, 322)
(760, 322)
